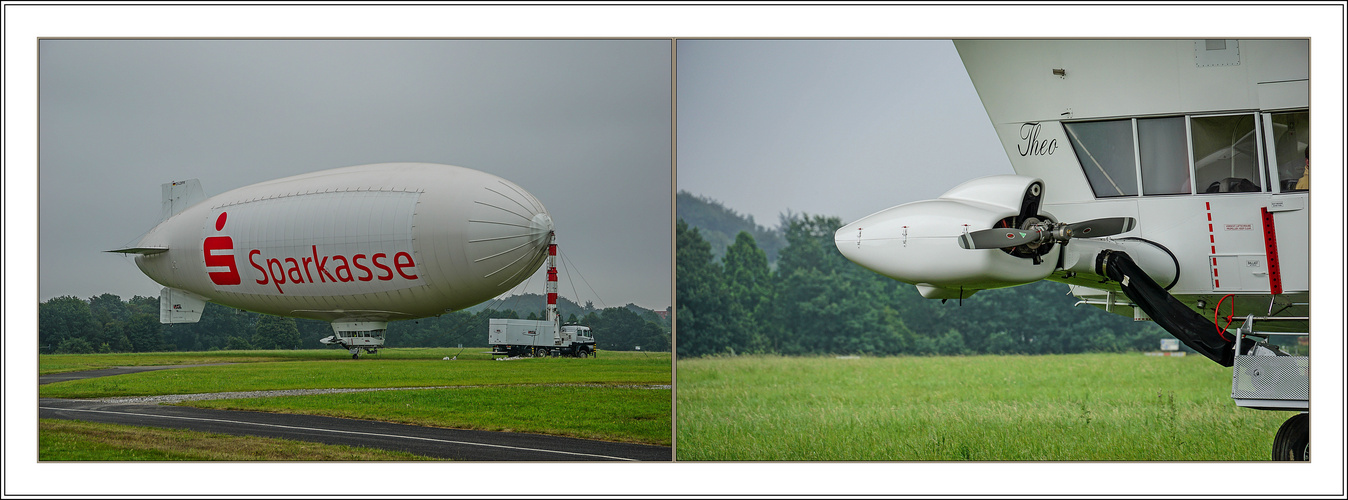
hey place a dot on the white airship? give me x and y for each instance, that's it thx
(356, 246)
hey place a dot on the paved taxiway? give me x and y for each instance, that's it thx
(456, 444)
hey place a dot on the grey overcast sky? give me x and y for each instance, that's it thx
(831, 127)
(24, 24)
(584, 125)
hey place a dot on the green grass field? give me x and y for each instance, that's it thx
(611, 414)
(392, 368)
(61, 363)
(616, 396)
(1091, 407)
(66, 440)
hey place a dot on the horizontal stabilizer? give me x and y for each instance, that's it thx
(140, 250)
(180, 306)
(179, 195)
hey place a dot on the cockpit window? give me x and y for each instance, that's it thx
(1105, 150)
(1225, 154)
(1164, 155)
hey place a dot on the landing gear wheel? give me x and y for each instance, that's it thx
(1293, 440)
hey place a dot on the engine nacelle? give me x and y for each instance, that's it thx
(918, 242)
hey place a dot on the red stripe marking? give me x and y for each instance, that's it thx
(1271, 252)
(1212, 239)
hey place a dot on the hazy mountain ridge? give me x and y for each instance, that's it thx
(526, 303)
(719, 224)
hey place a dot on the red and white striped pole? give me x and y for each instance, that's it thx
(552, 287)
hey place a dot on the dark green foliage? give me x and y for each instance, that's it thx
(749, 294)
(620, 329)
(218, 323)
(238, 344)
(64, 318)
(702, 322)
(144, 332)
(276, 332)
(74, 346)
(818, 302)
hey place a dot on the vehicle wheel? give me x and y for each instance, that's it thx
(541, 352)
(582, 354)
(1293, 440)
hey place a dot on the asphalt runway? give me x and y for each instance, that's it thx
(454, 444)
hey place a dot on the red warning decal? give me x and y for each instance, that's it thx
(1271, 252)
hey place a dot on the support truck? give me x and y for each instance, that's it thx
(538, 338)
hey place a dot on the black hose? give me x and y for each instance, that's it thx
(1194, 330)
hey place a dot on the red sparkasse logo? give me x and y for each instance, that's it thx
(290, 270)
(226, 260)
(316, 268)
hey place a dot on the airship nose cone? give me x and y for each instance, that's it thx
(848, 241)
(540, 228)
(509, 233)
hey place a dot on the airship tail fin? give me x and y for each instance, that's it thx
(179, 195)
(180, 306)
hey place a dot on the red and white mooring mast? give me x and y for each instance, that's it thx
(552, 315)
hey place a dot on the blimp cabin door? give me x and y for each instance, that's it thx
(1258, 218)
(1288, 155)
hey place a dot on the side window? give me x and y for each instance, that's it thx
(1291, 140)
(1164, 155)
(1105, 150)
(1225, 154)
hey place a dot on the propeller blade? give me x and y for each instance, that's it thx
(998, 238)
(1096, 228)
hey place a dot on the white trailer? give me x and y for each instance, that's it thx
(538, 338)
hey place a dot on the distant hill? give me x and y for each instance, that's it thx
(524, 304)
(719, 225)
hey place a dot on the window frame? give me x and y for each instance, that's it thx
(1262, 120)
(1271, 152)
(1260, 166)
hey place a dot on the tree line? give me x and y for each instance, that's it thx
(106, 323)
(818, 302)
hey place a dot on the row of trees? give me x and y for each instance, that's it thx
(106, 323)
(816, 301)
